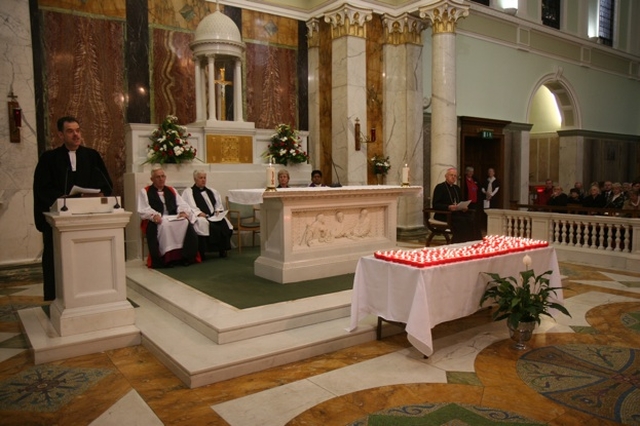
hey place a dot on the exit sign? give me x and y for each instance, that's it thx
(486, 134)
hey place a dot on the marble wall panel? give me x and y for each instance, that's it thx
(184, 14)
(267, 28)
(109, 8)
(21, 242)
(325, 103)
(375, 98)
(85, 78)
(173, 78)
(271, 85)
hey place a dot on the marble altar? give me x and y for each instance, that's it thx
(310, 233)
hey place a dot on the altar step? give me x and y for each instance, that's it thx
(202, 340)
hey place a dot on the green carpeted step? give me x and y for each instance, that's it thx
(231, 280)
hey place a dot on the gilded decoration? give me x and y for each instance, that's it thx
(229, 149)
(404, 29)
(337, 226)
(348, 21)
(444, 15)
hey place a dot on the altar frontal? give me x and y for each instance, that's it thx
(310, 233)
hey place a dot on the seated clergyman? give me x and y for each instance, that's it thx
(211, 225)
(167, 223)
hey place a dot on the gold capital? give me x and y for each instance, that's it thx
(403, 29)
(348, 21)
(444, 14)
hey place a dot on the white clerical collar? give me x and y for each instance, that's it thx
(72, 158)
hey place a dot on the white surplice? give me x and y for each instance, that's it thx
(171, 230)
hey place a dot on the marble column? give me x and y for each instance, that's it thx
(313, 61)
(237, 91)
(402, 110)
(517, 139)
(348, 90)
(443, 16)
(198, 83)
(212, 88)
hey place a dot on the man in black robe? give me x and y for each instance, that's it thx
(213, 228)
(58, 170)
(446, 196)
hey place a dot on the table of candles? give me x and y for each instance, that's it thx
(425, 287)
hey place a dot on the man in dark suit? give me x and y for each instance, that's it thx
(58, 170)
(446, 196)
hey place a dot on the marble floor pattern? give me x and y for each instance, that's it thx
(473, 363)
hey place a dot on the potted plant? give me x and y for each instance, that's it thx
(522, 303)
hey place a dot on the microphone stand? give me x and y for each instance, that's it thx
(66, 181)
(335, 185)
(116, 205)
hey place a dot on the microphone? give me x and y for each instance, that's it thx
(66, 181)
(116, 205)
(337, 184)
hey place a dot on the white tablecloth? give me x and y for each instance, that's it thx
(246, 196)
(425, 297)
(254, 196)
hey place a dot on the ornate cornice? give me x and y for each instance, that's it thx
(313, 32)
(403, 29)
(348, 21)
(444, 14)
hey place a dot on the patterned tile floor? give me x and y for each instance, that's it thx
(130, 386)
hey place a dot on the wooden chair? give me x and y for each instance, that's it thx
(244, 218)
(437, 227)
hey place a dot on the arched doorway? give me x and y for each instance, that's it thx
(552, 109)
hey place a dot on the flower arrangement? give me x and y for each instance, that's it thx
(380, 164)
(169, 143)
(526, 301)
(285, 146)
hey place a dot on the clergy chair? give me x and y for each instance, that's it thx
(244, 218)
(437, 227)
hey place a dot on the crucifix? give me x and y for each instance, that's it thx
(221, 94)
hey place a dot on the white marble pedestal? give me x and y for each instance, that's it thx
(91, 312)
(310, 233)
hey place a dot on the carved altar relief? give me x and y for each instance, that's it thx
(337, 226)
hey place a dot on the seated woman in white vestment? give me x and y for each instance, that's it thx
(166, 221)
(212, 226)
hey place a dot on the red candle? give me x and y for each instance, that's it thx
(373, 134)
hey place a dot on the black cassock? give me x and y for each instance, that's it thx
(54, 178)
(219, 233)
(463, 223)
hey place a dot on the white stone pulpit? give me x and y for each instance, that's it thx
(91, 288)
(91, 312)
